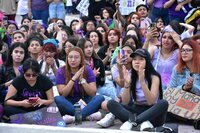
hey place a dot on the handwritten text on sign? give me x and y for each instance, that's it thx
(182, 103)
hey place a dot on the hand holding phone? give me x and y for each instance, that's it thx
(5, 20)
(121, 56)
(32, 99)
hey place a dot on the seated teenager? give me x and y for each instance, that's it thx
(10, 69)
(186, 74)
(118, 78)
(76, 82)
(144, 90)
(27, 87)
(50, 62)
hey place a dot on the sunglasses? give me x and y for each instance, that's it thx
(31, 75)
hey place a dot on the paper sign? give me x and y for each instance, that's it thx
(128, 6)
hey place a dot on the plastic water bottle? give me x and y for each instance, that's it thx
(78, 114)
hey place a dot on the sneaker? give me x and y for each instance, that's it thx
(129, 126)
(145, 126)
(95, 116)
(68, 119)
(126, 126)
(107, 121)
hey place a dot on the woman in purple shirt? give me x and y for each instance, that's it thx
(76, 82)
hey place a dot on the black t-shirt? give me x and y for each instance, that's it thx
(24, 90)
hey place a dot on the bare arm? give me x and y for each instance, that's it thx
(126, 95)
(9, 101)
(151, 95)
(181, 4)
(169, 3)
(65, 90)
(90, 88)
(189, 27)
(50, 98)
(150, 2)
(29, 8)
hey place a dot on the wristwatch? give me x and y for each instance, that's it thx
(82, 81)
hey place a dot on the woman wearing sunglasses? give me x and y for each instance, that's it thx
(28, 91)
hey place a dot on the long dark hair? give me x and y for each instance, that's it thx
(149, 71)
(9, 61)
(81, 44)
(32, 64)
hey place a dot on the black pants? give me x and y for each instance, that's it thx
(12, 110)
(156, 114)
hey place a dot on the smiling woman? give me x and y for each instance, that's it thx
(30, 84)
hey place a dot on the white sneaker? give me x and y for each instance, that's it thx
(68, 119)
(126, 126)
(107, 121)
(145, 125)
(95, 116)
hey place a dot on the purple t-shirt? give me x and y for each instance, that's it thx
(180, 13)
(164, 67)
(60, 79)
(39, 4)
(159, 3)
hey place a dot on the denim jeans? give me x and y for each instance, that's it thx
(66, 104)
(156, 114)
(41, 15)
(107, 90)
(160, 12)
(57, 10)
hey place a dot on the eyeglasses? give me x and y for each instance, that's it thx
(186, 50)
(73, 57)
(28, 75)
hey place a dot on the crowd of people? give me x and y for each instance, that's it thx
(121, 64)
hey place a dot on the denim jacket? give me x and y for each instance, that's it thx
(179, 79)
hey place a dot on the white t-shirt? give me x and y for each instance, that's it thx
(22, 8)
(50, 74)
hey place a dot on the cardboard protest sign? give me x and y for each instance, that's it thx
(183, 104)
(45, 116)
(128, 6)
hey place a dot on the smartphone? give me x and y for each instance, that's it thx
(32, 99)
(39, 21)
(5, 20)
(122, 56)
(33, 28)
(153, 25)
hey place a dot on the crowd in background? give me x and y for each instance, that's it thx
(121, 64)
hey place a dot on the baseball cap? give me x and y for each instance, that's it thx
(141, 52)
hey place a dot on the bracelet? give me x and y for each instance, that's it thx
(183, 86)
(72, 80)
